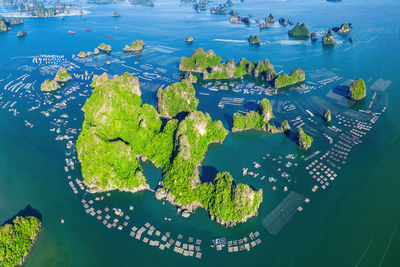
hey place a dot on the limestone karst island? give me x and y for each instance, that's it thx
(199, 133)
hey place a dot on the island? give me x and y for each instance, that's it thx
(21, 33)
(327, 115)
(254, 39)
(239, 19)
(135, 46)
(258, 120)
(189, 39)
(39, 8)
(62, 77)
(105, 48)
(300, 30)
(208, 65)
(119, 132)
(253, 120)
(344, 29)
(17, 238)
(82, 54)
(285, 80)
(357, 90)
(328, 39)
(304, 141)
(116, 14)
(176, 98)
(5, 24)
(314, 37)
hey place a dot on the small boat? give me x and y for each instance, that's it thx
(88, 30)
(116, 27)
(71, 32)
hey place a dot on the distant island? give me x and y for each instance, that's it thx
(118, 135)
(17, 238)
(147, 3)
(62, 76)
(209, 66)
(5, 24)
(254, 39)
(28, 8)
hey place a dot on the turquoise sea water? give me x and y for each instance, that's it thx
(351, 223)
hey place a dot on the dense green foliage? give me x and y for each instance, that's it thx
(300, 30)
(210, 66)
(284, 80)
(256, 120)
(230, 201)
(119, 130)
(176, 98)
(135, 46)
(303, 140)
(199, 61)
(17, 238)
(358, 89)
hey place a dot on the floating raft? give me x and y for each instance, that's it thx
(282, 213)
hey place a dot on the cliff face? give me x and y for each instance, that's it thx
(119, 130)
(303, 140)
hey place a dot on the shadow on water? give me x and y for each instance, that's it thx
(251, 105)
(341, 90)
(229, 120)
(27, 211)
(207, 173)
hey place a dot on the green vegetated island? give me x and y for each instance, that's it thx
(208, 66)
(119, 132)
(258, 120)
(135, 46)
(358, 89)
(59, 80)
(17, 239)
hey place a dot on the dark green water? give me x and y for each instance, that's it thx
(352, 222)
